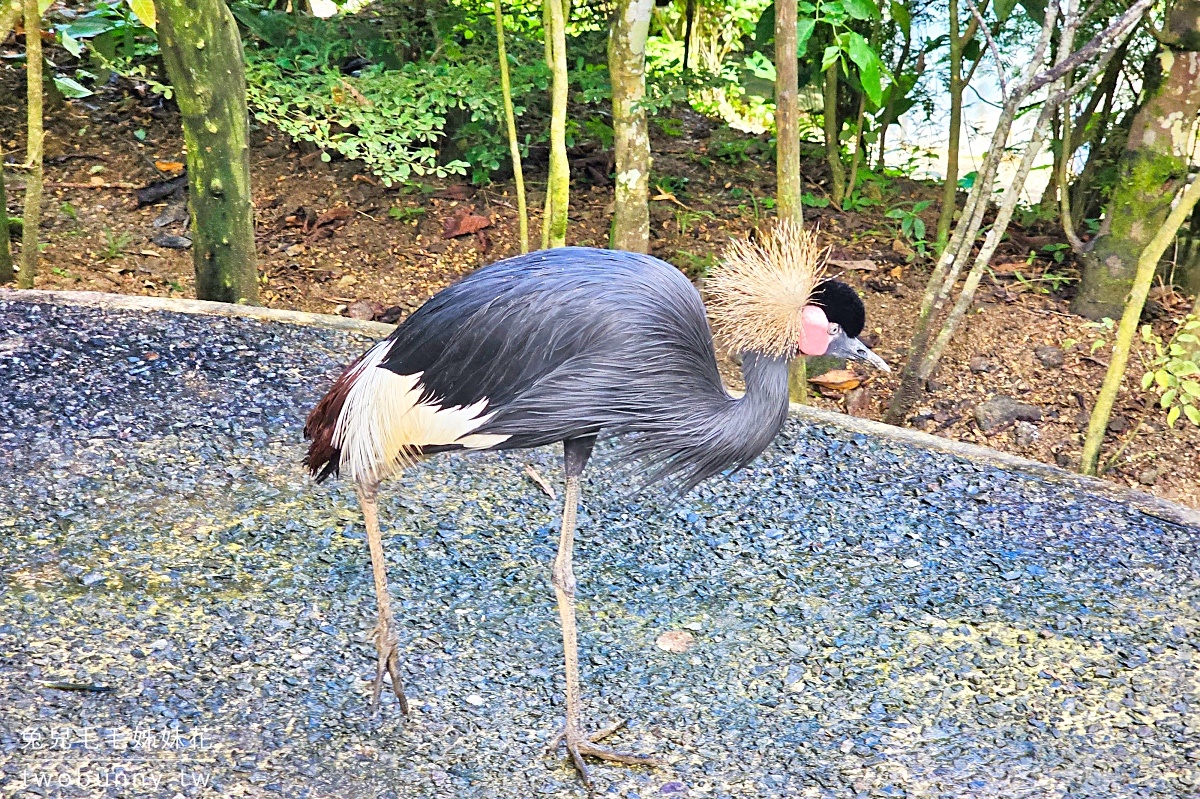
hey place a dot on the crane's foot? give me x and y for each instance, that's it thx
(388, 647)
(580, 744)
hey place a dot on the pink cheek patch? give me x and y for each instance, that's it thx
(814, 331)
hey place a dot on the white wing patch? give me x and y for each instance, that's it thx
(383, 422)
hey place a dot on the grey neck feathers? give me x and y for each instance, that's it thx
(766, 378)
(757, 417)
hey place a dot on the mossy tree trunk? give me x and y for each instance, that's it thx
(202, 51)
(33, 145)
(558, 183)
(6, 262)
(631, 134)
(1145, 267)
(1152, 168)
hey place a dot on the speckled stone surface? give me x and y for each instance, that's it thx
(870, 619)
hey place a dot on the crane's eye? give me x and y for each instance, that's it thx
(835, 329)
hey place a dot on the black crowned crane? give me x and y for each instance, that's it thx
(569, 345)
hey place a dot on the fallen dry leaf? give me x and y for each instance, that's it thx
(536, 477)
(169, 167)
(838, 380)
(675, 641)
(463, 222)
(863, 265)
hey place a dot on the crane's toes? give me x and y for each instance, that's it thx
(581, 744)
(389, 661)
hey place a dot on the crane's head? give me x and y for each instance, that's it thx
(771, 297)
(831, 323)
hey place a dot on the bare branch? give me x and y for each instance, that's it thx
(987, 33)
(1104, 41)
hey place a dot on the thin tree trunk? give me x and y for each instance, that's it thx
(631, 132)
(1146, 267)
(833, 145)
(514, 148)
(957, 85)
(558, 183)
(33, 145)
(6, 263)
(788, 188)
(787, 116)
(856, 159)
(889, 109)
(202, 51)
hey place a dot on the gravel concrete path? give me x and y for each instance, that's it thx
(183, 612)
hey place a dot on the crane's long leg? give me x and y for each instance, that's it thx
(386, 642)
(576, 453)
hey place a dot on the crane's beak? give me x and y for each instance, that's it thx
(843, 346)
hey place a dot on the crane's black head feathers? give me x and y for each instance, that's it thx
(842, 305)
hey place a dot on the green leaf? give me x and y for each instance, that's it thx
(1036, 9)
(144, 11)
(967, 181)
(1004, 8)
(70, 43)
(71, 89)
(1173, 416)
(868, 67)
(1187, 338)
(972, 50)
(1182, 368)
(1191, 387)
(899, 13)
(1193, 414)
(1193, 324)
(804, 32)
(1163, 378)
(830, 56)
(1147, 380)
(1168, 398)
(764, 29)
(1147, 332)
(861, 9)
(87, 27)
(918, 228)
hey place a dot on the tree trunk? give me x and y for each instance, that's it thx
(787, 116)
(33, 145)
(788, 189)
(957, 84)
(6, 262)
(631, 133)
(833, 129)
(558, 182)
(514, 148)
(1147, 265)
(1152, 168)
(202, 51)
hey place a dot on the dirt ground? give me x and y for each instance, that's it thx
(333, 240)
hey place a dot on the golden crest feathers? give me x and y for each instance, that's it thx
(758, 292)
